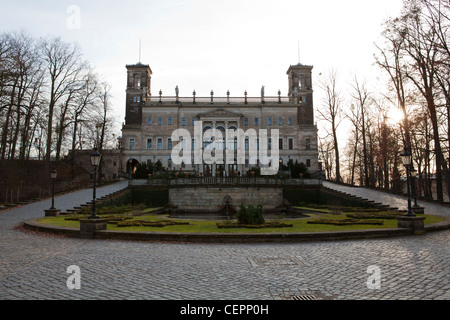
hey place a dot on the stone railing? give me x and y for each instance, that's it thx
(219, 100)
(232, 181)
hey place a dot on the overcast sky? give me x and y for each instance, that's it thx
(206, 45)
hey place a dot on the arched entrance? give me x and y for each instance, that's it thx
(131, 167)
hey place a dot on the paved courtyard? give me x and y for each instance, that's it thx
(34, 266)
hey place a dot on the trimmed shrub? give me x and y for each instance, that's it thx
(250, 215)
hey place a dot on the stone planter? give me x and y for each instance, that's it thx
(89, 226)
(416, 224)
(52, 212)
(418, 210)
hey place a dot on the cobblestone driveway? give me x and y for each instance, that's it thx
(34, 266)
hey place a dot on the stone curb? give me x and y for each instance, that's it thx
(236, 237)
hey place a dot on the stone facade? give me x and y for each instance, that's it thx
(151, 120)
(211, 199)
(110, 162)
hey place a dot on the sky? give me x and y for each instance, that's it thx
(204, 45)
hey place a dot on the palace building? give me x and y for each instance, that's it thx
(151, 120)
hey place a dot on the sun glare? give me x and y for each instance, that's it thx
(395, 115)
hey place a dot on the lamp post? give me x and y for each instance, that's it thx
(129, 167)
(53, 174)
(52, 211)
(95, 161)
(289, 166)
(413, 186)
(279, 167)
(407, 162)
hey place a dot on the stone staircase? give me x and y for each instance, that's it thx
(98, 201)
(368, 202)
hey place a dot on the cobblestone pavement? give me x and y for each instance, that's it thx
(34, 266)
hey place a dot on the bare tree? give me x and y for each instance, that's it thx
(362, 99)
(390, 60)
(331, 112)
(354, 116)
(62, 61)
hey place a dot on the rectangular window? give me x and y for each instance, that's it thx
(280, 141)
(246, 143)
(308, 144)
(149, 121)
(290, 121)
(269, 121)
(169, 121)
(291, 144)
(280, 121)
(131, 144)
(308, 163)
(149, 144)
(245, 121)
(256, 121)
(160, 121)
(169, 144)
(137, 81)
(269, 147)
(183, 121)
(193, 121)
(137, 99)
(160, 143)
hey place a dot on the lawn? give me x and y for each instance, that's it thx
(210, 226)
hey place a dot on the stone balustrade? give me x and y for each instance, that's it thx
(232, 181)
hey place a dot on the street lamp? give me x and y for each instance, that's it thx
(129, 168)
(407, 162)
(53, 174)
(279, 167)
(413, 186)
(95, 161)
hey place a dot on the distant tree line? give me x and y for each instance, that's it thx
(51, 100)
(414, 57)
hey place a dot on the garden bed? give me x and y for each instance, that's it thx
(143, 223)
(375, 215)
(254, 226)
(346, 222)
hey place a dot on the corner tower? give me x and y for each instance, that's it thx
(138, 90)
(301, 92)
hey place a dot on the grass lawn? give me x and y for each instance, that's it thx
(210, 226)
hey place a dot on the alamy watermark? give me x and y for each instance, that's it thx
(74, 20)
(374, 280)
(74, 280)
(212, 145)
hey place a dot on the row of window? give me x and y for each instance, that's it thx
(247, 163)
(246, 121)
(233, 145)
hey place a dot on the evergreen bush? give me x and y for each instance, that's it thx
(250, 215)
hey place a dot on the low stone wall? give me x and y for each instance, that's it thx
(211, 199)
